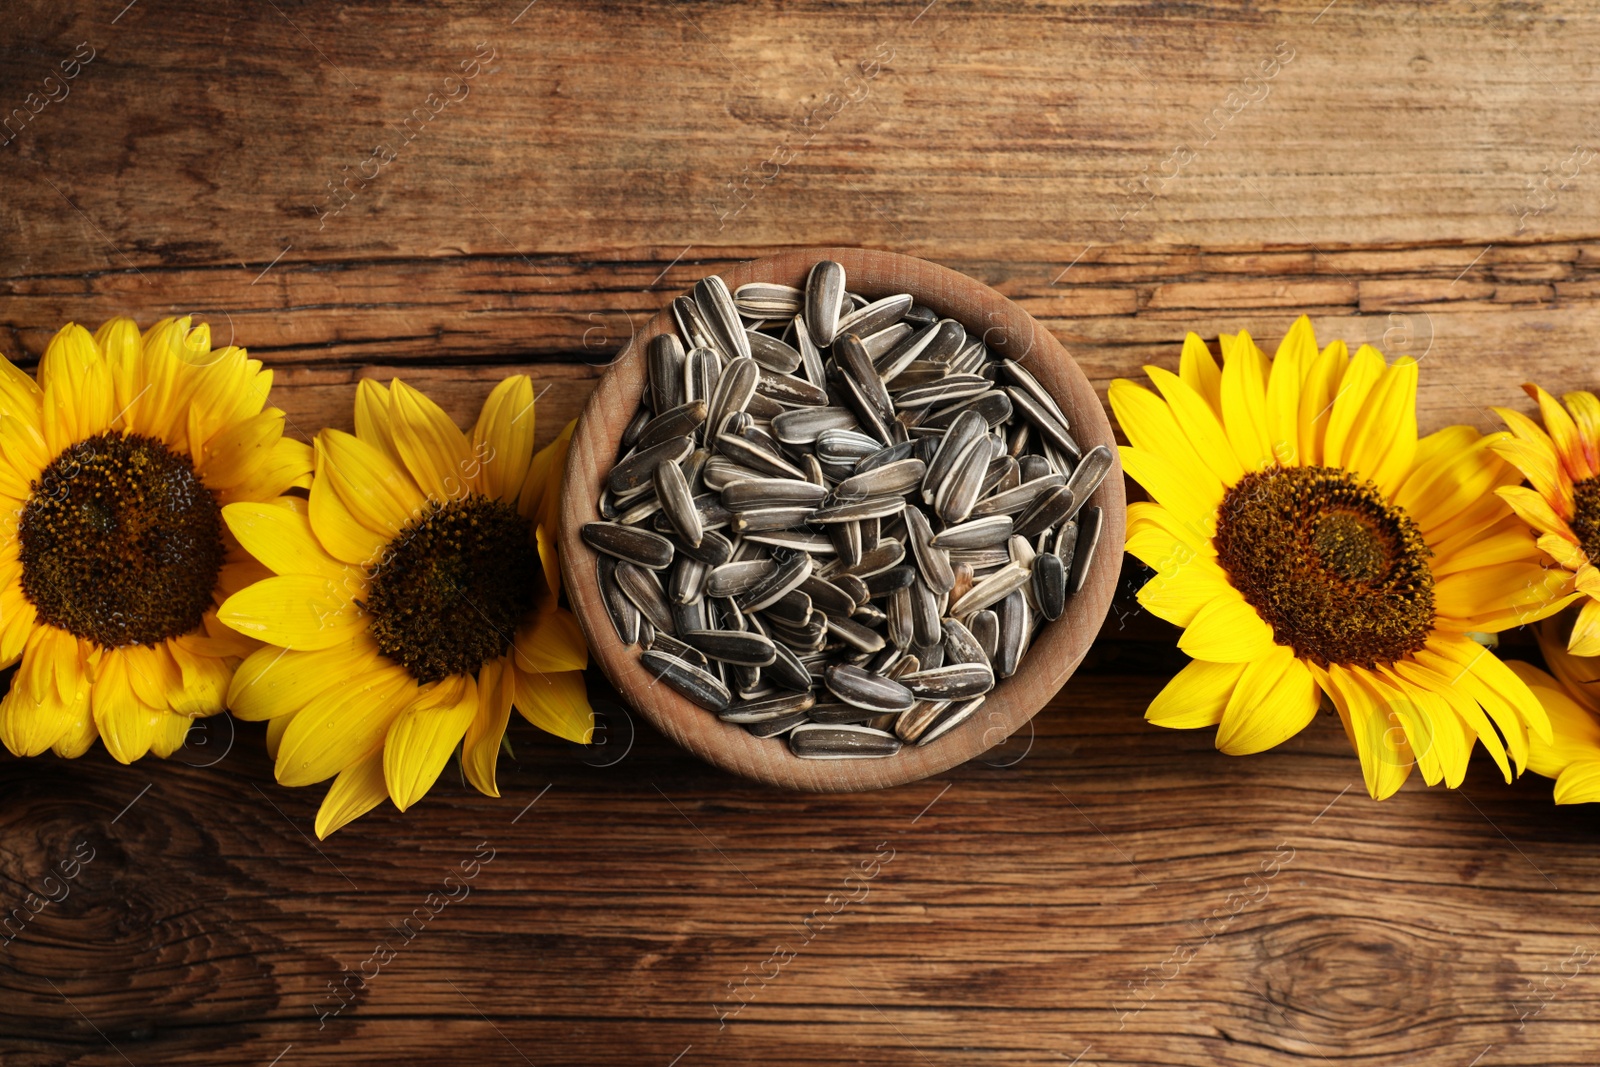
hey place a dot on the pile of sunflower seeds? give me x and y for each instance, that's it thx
(839, 520)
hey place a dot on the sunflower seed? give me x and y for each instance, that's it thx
(749, 454)
(1090, 472)
(692, 326)
(800, 427)
(865, 690)
(737, 578)
(644, 589)
(688, 582)
(985, 626)
(855, 635)
(700, 686)
(772, 353)
(854, 511)
(1042, 420)
(1015, 625)
(701, 369)
(767, 709)
(765, 520)
(954, 499)
(635, 471)
(674, 422)
(1049, 585)
(853, 359)
(664, 364)
(824, 293)
(732, 646)
(785, 576)
(768, 300)
(911, 725)
(1083, 554)
(991, 589)
(1048, 508)
(1015, 501)
(891, 479)
(956, 681)
(885, 340)
(772, 492)
(952, 716)
(960, 645)
(818, 741)
(960, 437)
(673, 492)
(624, 616)
(637, 546)
(716, 306)
(878, 315)
(834, 712)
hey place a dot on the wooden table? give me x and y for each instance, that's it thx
(457, 191)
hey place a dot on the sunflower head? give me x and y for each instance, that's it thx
(1313, 547)
(1561, 462)
(412, 602)
(116, 461)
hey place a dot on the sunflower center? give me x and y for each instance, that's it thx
(1340, 575)
(1586, 516)
(121, 544)
(451, 589)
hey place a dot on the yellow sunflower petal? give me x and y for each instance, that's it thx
(340, 726)
(336, 527)
(33, 717)
(273, 682)
(1563, 432)
(77, 388)
(1296, 353)
(1534, 510)
(1575, 731)
(1323, 373)
(549, 558)
(358, 789)
(1164, 482)
(1585, 639)
(372, 417)
(1196, 697)
(299, 611)
(555, 703)
(1275, 698)
(1542, 468)
(480, 748)
(550, 642)
(1198, 370)
(1178, 593)
(287, 465)
(378, 494)
(1348, 400)
(1227, 630)
(423, 736)
(1149, 425)
(1244, 403)
(127, 726)
(1383, 439)
(1585, 409)
(502, 440)
(433, 448)
(1441, 680)
(1380, 740)
(1200, 423)
(279, 535)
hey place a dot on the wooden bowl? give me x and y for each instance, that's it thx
(1057, 648)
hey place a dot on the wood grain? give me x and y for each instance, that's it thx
(1419, 176)
(1053, 653)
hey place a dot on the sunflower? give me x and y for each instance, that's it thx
(1561, 462)
(412, 603)
(1572, 698)
(1310, 544)
(114, 467)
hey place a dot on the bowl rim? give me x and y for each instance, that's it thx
(1057, 648)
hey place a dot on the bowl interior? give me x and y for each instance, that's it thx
(1057, 647)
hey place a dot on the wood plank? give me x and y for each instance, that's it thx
(617, 909)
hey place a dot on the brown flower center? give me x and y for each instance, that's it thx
(1340, 575)
(450, 591)
(121, 544)
(1586, 516)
